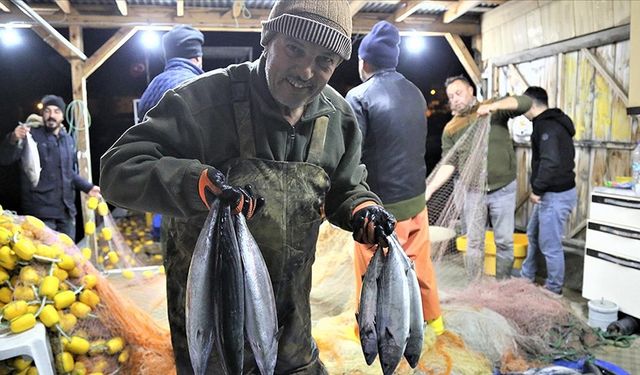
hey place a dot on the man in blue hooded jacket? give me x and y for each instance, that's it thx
(182, 48)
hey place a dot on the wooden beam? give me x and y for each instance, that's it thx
(356, 5)
(122, 7)
(458, 9)
(467, 61)
(53, 42)
(597, 39)
(407, 8)
(518, 75)
(63, 44)
(107, 49)
(418, 25)
(613, 84)
(206, 19)
(179, 8)
(4, 6)
(64, 5)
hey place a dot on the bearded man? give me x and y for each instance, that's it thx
(52, 199)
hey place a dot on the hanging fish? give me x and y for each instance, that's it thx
(30, 160)
(416, 321)
(199, 300)
(393, 310)
(230, 296)
(260, 318)
(366, 316)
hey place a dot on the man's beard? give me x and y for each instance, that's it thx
(51, 125)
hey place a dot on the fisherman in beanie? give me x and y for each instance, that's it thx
(182, 48)
(268, 139)
(391, 113)
(49, 193)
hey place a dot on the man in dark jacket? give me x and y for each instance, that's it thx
(553, 187)
(276, 125)
(53, 198)
(391, 113)
(182, 47)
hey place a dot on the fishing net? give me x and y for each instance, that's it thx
(91, 327)
(334, 324)
(457, 207)
(545, 328)
(124, 246)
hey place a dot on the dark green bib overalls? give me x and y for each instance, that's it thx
(286, 230)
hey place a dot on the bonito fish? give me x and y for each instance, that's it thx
(416, 321)
(260, 318)
(199, 300)
(367, 311)
(230, 297)
(393, 310)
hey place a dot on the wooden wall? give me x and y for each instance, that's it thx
(520, 25)
(604, 132)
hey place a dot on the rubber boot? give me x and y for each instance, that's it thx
(437, 325)
(473, 266)
(504, 268)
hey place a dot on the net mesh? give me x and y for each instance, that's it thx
(121, 246)
(91, 327)
(457, 205)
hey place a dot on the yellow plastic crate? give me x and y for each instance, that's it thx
(519, 250)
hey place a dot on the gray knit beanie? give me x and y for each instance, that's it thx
(323, 22)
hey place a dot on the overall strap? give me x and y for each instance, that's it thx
(318, 138)
(240, 96)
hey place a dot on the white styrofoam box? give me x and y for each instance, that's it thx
(615, 208)
(613, 278)
(618, 240)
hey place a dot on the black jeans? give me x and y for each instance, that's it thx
(66, 226)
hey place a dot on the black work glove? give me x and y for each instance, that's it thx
(212, 184)
(372, 224)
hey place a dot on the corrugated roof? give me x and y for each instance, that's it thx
(379, 7)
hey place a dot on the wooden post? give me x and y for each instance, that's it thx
(634, 60)
(80, 116)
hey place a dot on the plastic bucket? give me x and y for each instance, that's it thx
(602, 313)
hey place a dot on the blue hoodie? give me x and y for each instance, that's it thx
(176, 71)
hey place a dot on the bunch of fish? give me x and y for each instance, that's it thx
(229, 298)
(390, 315)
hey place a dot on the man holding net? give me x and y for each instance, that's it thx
(391, 113)
(497, 195)
(553, 187)
(273, 124)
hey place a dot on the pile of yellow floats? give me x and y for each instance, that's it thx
(41, 279)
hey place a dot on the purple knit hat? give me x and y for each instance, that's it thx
(381, 47)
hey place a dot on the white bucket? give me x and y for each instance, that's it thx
(602, 313)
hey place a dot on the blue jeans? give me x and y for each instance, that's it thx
(501, 206)
(544, 232)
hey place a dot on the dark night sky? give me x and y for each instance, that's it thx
(32, 69)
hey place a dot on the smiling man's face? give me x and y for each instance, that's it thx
(297, 70)
(52, 117)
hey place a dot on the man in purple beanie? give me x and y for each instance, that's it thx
(391, 114)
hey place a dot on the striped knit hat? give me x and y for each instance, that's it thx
(326, 23)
